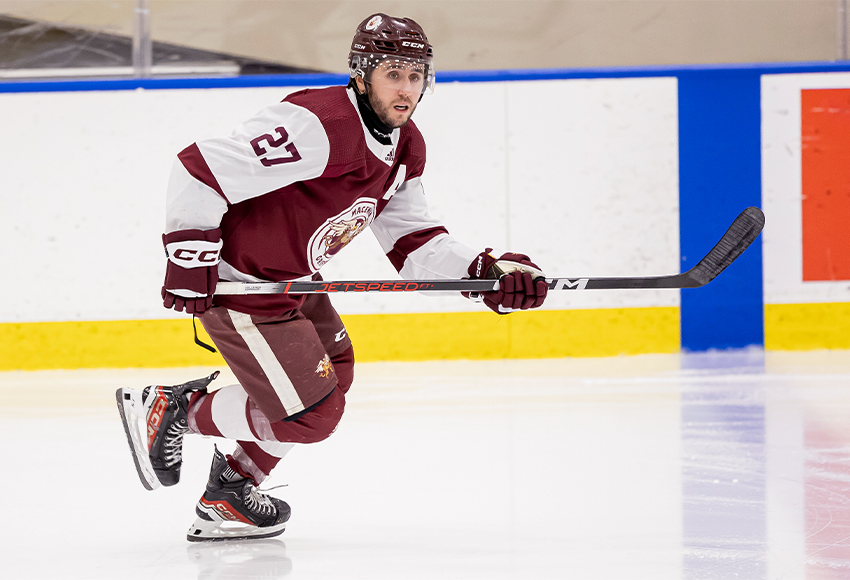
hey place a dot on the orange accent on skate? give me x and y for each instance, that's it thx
(825, 134)
(226, 511)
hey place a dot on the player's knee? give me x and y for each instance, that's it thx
(344, 368)
(315, 425)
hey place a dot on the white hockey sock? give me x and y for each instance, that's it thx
(247, 464)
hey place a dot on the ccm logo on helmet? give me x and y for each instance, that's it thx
(412, 44)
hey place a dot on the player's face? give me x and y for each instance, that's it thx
(395, 90)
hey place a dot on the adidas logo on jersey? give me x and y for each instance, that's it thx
(390, 156)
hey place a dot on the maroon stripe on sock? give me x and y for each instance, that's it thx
(204, 419)
(261, 459)
(407, 244)
(197, 167)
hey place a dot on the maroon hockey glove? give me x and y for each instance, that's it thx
(192, 270)
(521, 283)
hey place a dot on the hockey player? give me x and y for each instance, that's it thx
(274, 201)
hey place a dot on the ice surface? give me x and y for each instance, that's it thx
(715, 465)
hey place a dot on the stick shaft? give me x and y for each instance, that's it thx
(446, 285)
(325, 287)
(737, 238)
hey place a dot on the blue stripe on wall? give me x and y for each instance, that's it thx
(719, 176)
(469, 76)
(719, 168)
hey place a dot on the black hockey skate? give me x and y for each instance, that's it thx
(233, 509)
(155, 422)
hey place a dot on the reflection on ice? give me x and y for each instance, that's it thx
(827, 491)
(714, 465)
(723, 467)
(240, 559)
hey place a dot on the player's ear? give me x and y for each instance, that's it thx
(361, 85)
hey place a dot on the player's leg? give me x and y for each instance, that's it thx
(260, 458)
(317, 308)
(233, 508)
(261, 444)
(287, 393)
(257, 453)
(155, 421)
(231, 413)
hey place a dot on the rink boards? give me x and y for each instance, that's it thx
(605, 173)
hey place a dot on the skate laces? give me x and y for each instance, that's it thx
(268, 489)
(258, 502)
(172, 447)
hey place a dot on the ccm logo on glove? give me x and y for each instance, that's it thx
(479, 266)
(194, 253)
(192, 270)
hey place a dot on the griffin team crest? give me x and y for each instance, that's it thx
(337, 232)
(324, 367)
(374, 23)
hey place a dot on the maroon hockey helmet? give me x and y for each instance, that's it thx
(380, 38)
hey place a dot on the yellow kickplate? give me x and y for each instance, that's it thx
(377, 337)
(807, 326)
(535, 334)
(103, 344)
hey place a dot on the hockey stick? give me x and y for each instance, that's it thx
(737, 238)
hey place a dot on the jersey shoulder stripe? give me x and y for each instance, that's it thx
(333, 107)
(197, 167)
(280, 145)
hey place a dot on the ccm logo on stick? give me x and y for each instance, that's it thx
(564, 284)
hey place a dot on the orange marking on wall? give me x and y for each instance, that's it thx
(826, 183)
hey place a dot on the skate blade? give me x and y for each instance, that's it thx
(132, 411)
(218, 531)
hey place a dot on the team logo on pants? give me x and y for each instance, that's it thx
(325, 367)
(337, 232)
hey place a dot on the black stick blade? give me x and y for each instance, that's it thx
(743, 231)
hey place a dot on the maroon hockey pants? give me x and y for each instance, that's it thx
(293, 372)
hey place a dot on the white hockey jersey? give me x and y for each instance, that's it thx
(295, 184)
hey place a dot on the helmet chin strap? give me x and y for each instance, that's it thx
(378, 128)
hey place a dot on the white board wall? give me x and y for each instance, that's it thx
(582, 175)
(782, 190)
